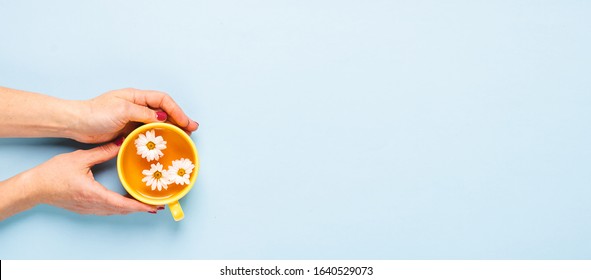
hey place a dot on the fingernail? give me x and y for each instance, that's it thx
(119, 141)
(152, 212)
(161, 116)
(160, 208)
(197, 125)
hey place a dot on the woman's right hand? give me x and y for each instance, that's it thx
(66, 181)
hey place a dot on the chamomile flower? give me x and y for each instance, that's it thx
(149, 146)
(180, 171)
(156, 177)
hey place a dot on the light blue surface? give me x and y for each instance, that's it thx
(329, 129)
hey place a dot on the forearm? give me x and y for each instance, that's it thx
(27, 114)
(17, 194)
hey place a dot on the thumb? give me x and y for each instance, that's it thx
(102, 153)
(143, 114)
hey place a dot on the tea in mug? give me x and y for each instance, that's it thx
(160, 165)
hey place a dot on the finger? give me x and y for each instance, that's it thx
(186, 131)
(143, 114)
(102, 153)
(126, 205)
(129, 127)
(158, 207)
(161, 100)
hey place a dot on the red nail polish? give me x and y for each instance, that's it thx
(152, 212)
(119, 141)
(160, 207)
(161, 116)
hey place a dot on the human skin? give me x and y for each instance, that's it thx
(66, 180)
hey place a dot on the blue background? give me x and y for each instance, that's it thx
(329, 129)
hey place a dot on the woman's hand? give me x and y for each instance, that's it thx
(118, 112)
(66, 181)
(102, 119)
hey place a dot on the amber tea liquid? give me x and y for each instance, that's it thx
(133, 164)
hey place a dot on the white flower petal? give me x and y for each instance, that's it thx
(153, 182)
(150, 154)
(160, 146)
(177, 165)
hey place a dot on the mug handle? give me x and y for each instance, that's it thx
(176, 210)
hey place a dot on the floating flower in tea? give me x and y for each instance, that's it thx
(156, 178)
(150, 146)
(180, 171)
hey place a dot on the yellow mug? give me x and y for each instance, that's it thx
(130, 166)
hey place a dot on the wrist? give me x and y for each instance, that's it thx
(31, 191)
(19, 193)
(71, 119)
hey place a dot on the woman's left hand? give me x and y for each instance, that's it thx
(118, 112)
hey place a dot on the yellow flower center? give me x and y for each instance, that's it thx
(157, 175)
(151, 145)
(181, 172)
